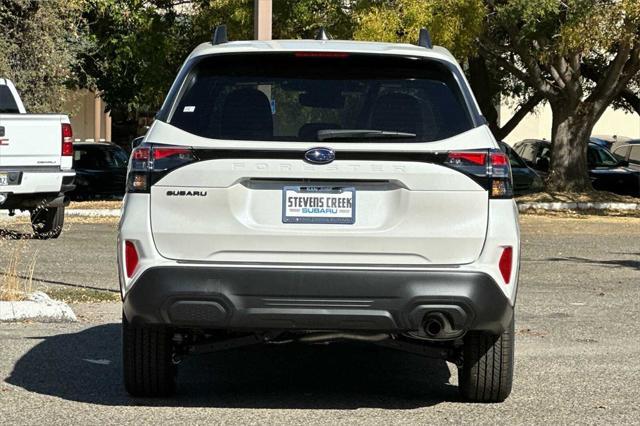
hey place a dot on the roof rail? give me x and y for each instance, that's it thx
(219, 35)
(425, 39)
(322, 34)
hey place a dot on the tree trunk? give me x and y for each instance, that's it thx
(571, 129)
(485, 90)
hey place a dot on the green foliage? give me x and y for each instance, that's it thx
(291, 19)
(139, 46)
(454, 23)
(40, 44)
(578, 55)
(302, 19)
(585, 26)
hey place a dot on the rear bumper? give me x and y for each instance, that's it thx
(32, 188)
(314, 299)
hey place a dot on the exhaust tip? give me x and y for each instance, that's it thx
(435, 325)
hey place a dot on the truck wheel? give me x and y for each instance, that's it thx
(47, 222)
(147, 360)
(486, 374)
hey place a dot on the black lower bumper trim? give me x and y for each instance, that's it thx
(314, 299)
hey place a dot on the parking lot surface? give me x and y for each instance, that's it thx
(577, 349)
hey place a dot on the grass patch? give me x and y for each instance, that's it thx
(82, 295)
(577, 197)
(583, 213)
(13, 285)
(104, 204)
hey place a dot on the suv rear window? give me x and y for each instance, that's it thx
(297, 96)
(7, 103)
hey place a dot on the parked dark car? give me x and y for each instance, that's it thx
(608, 173)
(101, 170)
(629, 153)
(525, 179)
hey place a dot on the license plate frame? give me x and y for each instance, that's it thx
(339, 217)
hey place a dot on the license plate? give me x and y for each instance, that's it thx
(318, 204)
(4, 181)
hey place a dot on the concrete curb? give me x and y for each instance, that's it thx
(560, 206)
(38, 308)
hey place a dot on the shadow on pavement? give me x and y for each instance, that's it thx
(8, 234)
(625, 263)
(85, 367)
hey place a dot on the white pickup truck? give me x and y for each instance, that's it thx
(36, 163)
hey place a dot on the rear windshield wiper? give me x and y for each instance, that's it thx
(333, 134)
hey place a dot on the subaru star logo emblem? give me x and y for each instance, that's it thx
(320, 155)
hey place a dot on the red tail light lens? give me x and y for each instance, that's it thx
(141, 154)
(130, 258)
(160, 153)
(67, 140)
(505, 263)
(489, 168)
(467, 158)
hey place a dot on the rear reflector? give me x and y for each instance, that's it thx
(505, 263)
(130, 258)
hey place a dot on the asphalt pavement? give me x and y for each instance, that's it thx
(577, 350)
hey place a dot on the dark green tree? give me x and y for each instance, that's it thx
(40, 46)
(580, 56)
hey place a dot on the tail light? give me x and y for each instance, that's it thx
(505, 263)
(130, 258)
(489, 168)
(67, 140)
(149, 163)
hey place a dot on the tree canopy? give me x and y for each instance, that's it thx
(40, 44)
(578, 55)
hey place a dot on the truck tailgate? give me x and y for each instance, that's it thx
(31, 139)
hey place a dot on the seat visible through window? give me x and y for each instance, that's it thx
(397, 112)
(246, 115)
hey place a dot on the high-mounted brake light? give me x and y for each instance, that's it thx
(505, 264)
(130, 258)
(321, 55)
(67, 140)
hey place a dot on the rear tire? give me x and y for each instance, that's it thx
(147, 360)
(47, 222)
(486, 374)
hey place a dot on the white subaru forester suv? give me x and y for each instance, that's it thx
(317, 191)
